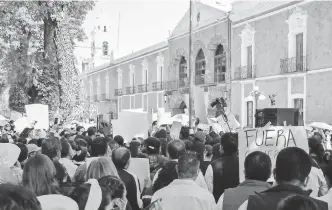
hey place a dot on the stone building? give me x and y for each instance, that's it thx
(284, 47)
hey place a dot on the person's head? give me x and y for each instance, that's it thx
(52, 148)
(24, 153)
(119, 139)
(39, 175)
(257, 166)
(152, 146)
(80, 130)
(23, 140)
(188, 166)
(101, 167)
(208, 151)
(116, 188)
(134, 148)
(161, 134)
(200, 136)
(229, 143)
(154, 124)
(66, 151)
(99, 147)
(293, 166)
(121, 158)
(175, 148)
(113, 145)
(25, 132)
(4, 138)
(92, 132)
(32, 141)
(315, 146)
(61, 173)
(297, 202)
(15, 197)
(188, 144)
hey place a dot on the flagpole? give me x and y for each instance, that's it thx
(189, 64)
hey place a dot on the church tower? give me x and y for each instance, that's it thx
(101, 40)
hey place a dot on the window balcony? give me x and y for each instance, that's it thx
(158, 86)
(118, 92)
(210, 79)
(130, 90)
(142, 88)
(244, 72)
(295, 64)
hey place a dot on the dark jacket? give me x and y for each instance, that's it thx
(270, 198)
(235, 197)
(131, 188)
(225, 174)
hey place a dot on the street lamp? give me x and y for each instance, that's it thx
(256, 95)
(165, 97)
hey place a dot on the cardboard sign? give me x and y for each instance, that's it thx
(175, 130)
(269, 140)
(39, 113)
(232, 122)
(141, 168)
(199, 105)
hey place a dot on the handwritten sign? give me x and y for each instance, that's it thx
(175, 130)
(270, 140)
(199, 104)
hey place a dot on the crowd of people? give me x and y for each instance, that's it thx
(78, 169)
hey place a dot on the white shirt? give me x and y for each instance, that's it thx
(184, 194)
(327, 198)
(69, 166)
(317, 183)
(209, 178)
(220, 202)
(199, 180)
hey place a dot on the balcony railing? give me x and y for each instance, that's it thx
(210, 79)
(157, 86)
(295, 64)
(118, 92)
(244, 72)
(130, 90)
(142, 88)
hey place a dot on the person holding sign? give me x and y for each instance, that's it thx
(291, 172)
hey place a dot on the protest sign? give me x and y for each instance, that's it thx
(175, 130)
(141, 168)
(39, 113)
(232, 122)
(131, 124)
(269, 140)
(200, 108)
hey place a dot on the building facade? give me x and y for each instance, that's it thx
(283, 47)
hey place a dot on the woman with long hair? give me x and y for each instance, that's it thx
(39, 175)
(101, 167)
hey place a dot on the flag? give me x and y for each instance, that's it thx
(196, 14)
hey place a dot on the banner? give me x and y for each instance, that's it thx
(39, 113)
(175, 130)
(141, 168)
(199, 104)
(269, 140)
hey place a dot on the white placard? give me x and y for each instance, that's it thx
(39, 113)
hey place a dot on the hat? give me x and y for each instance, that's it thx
(152, 143)
(57, 202)
(32, 148)
(9, 154)
(200, 136)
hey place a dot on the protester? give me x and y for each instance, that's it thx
(156, 160)
(135, 150)
(14, 197)
(223, 173)
(292, 169)
(257, 170)
(51, 147)
(66, 159)
(101, 167)
(119, 139)
(121, 159)
(39, 175)
(183, 193)
(22, 158)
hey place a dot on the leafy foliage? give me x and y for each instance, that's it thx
(41, 35)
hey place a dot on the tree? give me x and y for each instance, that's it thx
(39, 62)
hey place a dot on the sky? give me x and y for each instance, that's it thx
(142, 22)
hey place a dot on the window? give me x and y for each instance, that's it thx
(299, 52)
(161, 72)
(219, 64)
(183, 72)
(98, 27)
(93, 49)
(107, 86)
(105, 29)
(84, 65)
(249, 62)
(132, 79)
(119, 81)
(105, 48)
(120, 104)
(250, 113)
(200, 67)
(298, 104)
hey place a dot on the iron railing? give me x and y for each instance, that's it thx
(295, 64)
(244, 72)
(157, 86)
(118, 92)
(142, 88)
(210, 79)
(130, 90)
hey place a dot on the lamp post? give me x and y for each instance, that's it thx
(256, 95)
